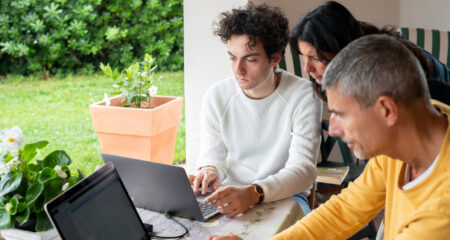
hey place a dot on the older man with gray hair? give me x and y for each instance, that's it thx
(380, 106)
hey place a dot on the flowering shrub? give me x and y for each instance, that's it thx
(134, 82)
(26, 184)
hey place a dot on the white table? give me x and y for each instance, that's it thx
(260, 222)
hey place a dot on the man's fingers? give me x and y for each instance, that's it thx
(215, 185)
(217, 195)
(205, 183)
(191, 179)
(227, 208)
(211, 198)
(197, 181)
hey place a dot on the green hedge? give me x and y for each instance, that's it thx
(60, 36)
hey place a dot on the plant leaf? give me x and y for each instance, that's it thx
(30, 150)
(106, 69)
(5, 219)
(42, 222)
(10, 182)
(72, 181)
(21, 207)
(39, 203)
(3, 157)
(14, 202)
(46, 175)
(34, 168)
(33, 192)
(3, 200)
(53, 188)
(58, 157)
(80, 175)
(23, 218)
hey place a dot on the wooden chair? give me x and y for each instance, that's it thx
(312, 197)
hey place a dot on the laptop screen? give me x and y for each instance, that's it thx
(97, 208)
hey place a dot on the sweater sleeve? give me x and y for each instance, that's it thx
(212, 147)
(344, 214)
(300, 170)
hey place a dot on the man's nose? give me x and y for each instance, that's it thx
(334, 129)
(239, 68)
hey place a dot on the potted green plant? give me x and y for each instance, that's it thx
(137, 123)
(28, 181)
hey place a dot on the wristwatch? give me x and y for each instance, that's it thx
(260, 193)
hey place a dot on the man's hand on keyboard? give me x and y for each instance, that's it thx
(231, 200)
(204, 179)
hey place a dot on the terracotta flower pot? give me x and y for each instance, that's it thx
(141, 133)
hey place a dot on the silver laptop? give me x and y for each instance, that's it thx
(98, 207)
(160, 188)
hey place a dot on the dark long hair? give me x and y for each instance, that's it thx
(330, 27)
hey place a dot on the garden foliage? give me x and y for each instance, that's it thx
(58, 36)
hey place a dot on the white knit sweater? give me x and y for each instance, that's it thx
(273, 142)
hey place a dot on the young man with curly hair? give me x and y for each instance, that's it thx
(260, 128)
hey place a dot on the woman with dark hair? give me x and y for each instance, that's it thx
(323, 32)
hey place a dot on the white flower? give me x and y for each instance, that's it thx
(4, 168)
(14, 153)
(65, 186)
(3, 149)
(3, 133)
(8, 207)
(60, 172)
(13, 163)
(153, 90)
(13, 139)
(106, 99)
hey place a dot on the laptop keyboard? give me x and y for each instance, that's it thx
(207, 209)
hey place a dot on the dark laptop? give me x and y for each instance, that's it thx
(160, 188)
(98, 207)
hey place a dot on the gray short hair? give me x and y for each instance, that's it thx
(373, 66)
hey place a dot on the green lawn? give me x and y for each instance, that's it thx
(57, 110)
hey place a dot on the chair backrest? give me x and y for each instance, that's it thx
(438, 44)
(434, 41)
(293, 63)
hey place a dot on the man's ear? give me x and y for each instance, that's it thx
(387, 109)
(276, 58)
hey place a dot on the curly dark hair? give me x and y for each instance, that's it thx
(259, 22)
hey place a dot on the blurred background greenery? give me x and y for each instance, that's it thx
(58, 37)
(50, 53)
